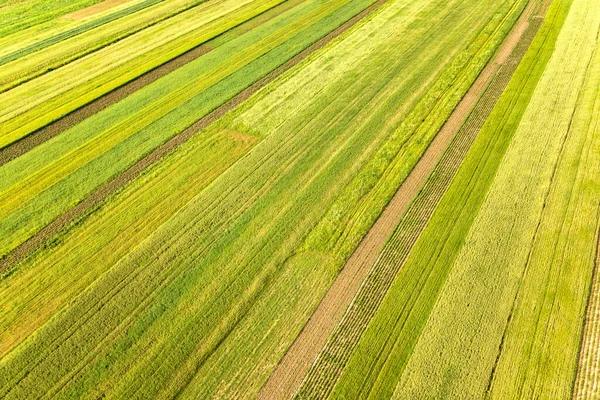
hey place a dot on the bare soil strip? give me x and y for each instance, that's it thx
(476, 105)
(59, 126)
(92, 202)
(587, 382)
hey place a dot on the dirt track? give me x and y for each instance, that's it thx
(307, 346)
(93, 201)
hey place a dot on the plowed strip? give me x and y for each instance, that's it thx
(295, 364)
(49, 232)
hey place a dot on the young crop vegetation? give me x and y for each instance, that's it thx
(201, 273)
(42, 184)
(491, 299)
(181, 182)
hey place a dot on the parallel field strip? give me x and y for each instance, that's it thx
(26, 14)
(40, 60)
(427, 345)
(59, 126)
(74, 32)
(323, 374)
(587, 382)
(32, 181)
(223, 286)
(34, 104)
(518, 304)
(292, 368)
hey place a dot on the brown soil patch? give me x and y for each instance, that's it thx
(239, 136)
(93, 10)
(305, 350)
(92, 202)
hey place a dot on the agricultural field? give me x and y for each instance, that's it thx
(309, 199)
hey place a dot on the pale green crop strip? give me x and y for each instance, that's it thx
(75, 31)
(46, 98)
(53, 56)
(40, 185)
(35, 160)
(220, 289)
(23, 14)
(529, 241)
(387, 343)
(398, 323)
(323, 374)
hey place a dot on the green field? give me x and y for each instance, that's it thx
(491, 298)
(193, 278)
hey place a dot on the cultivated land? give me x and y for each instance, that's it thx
(491, 299)
(310, 198)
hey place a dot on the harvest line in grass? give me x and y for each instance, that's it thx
(44, 236)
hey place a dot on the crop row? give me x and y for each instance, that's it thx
(44, 183)
(482, 304)
(28, 56)
(214, 288)
(19, 16)
(540, 213)
(587, 383)
(46, 98)
(323, 375)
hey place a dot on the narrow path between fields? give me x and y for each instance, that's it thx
(305, 349)
(58, 225)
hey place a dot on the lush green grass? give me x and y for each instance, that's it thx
(194, 281)
(506, 259)
(40, 101)
(19, 15)
(76, 31)
(28, 55)
(45, 182)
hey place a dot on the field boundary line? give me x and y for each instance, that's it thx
(45, 236)
(469, 115)
(64, 123)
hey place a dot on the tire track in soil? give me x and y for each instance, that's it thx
(45, 236)
(53, 129)
(304, 358)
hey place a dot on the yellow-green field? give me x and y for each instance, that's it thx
(193, 276)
